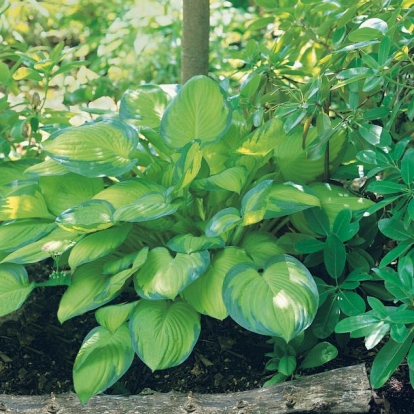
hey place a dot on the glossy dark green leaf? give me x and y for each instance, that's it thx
(389, 358)
(318, 221)
(386, 187)
(309, 245)
(343, 227)
(351, 303)
(326, 318)
(407, 167)
(320, 354)
(375, 134)
(394, 229)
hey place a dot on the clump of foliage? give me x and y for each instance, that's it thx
(274, 206)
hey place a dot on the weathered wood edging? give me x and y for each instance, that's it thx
(340, 391)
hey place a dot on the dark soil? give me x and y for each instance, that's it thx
(37, 353)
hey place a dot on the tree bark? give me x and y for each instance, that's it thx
(340, 391)
(195, 38)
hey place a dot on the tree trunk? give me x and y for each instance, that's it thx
(340, 391)
(195, 38)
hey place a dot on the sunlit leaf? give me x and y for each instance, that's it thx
(163, 332)
(15, 287)
(282, 301)
(103, 358)
(145, 105)
(99, 149)
(223, 221)
(199, 111)
(164, 277)
(96, 245)
(205, 293)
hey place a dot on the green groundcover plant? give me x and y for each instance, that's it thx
(287, 207)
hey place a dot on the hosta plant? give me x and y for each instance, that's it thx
(169, 210)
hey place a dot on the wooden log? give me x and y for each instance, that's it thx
(340, 391)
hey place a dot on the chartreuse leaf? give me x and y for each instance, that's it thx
(53, 244)
(26, 202)
(103, 358)
(223, 221)
(122, 271)
(188, 165)
(113, 316)
(231, 179)
(261, 246)
(98, 149)
(263, 139)
(46, 168)
(205, 294)
(16, 234)
(187, 243)
(14, 287)
(289, 198)
(126, 192)
(292, 158)
(255, 202)
(145, 105)
(150, 206)
(389, 358)
(88, 281)
(164, 277)
(87, 217)
(199, 111)
(99, 244)
(163, 332)
(65, 191)
(320, 354)
(282, 301)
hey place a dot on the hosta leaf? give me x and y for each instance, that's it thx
(199, 111)
(16, 234)
(164, 277)
(26, 202)
(87, 282)
(255, 202)
(11, 171)
(163, 332)
(113, 316)
(53, 244)
(99, 149)
(292, 159)
(287, 365)
(187, 243)
(103, 358)
(261, 246)
(231, 179)
(280, 302)
(65, 191)
(14, 287)
(145, 105)
(115, 283)
(320, 354)
(126, 192)
(46, 168)
(223, 221)
(188, 165)
(288, 198)
(263, 139)
(149, 207)
(87, 217)
(96, 245)
(205, 294)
